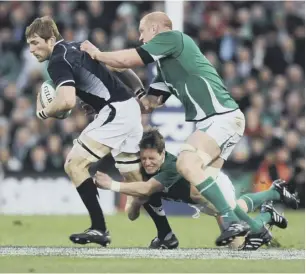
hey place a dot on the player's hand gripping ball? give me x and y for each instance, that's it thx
(47, 94)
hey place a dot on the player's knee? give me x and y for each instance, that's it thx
(193, 157)
(68, 166)
(183, 168)
(184, 159)
(243, 205)
(185, 164)
(74, 165)
(77, 169)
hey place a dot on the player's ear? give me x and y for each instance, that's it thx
(52, 40)
(154, 28)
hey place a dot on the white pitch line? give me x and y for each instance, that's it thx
(132, 253)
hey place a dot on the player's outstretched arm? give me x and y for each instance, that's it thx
(136, 189)
(118, 59)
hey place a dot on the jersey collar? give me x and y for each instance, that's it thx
(58, 42)
(54, 46)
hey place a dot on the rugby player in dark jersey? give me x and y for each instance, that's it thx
(117, 128)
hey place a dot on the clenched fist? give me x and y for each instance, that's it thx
(90, 49)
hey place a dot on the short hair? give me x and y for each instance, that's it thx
(158, 17)
(44, 27)
(152, 139)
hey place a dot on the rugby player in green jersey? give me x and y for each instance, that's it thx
(161, 180)
(183, 71)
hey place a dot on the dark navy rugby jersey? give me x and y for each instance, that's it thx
(95, 84)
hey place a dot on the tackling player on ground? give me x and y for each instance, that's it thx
(163, 181)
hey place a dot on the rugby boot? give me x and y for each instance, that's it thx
(91, 236)
(287, 198)
(277, 219)
(235, 229)
(255, 240)
(171, 243)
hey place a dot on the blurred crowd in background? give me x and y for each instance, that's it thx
(257, 47)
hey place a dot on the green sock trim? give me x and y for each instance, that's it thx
(255, 200)
(211, 191)
(205, 185)
(254, 225)
(249, 202)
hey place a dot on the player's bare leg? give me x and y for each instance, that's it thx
(84, 152)
(128, 165)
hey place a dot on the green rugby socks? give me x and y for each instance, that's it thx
(211, 191)
(255, 225)
(254, 200)
(264, 218)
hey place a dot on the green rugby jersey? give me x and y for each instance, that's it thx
(176, 187)
(186, 73)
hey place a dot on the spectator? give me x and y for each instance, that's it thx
(227, 44)
(81, 26)
(55, 160)
(21, 145)
(274, 58)
(99, 38)
(97, 17)
(230, 76)
(206, 41)
(4, 133)
(9, 65)
(9, 98)
(295, 77)
(37, 160)
(244, 63)
(64, 8)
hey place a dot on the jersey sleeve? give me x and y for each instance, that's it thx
(163, 44)
(158, 88)
(167, 177)
(61, 73)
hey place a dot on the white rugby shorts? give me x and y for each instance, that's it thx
(122, 132)
(226, 129)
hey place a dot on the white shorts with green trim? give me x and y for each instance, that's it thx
(226, 129)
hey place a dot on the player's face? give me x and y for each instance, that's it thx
(147, 31)
(151, 160)
(40, 47)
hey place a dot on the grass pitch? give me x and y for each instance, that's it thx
(53, 231)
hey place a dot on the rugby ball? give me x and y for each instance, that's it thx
(47, 95)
